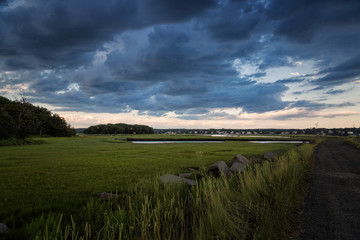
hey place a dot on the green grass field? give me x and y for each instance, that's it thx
(61, 175)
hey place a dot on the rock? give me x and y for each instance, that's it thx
(270, 156)
(193, 168)
(185, 175)
(107, 196)
(170, 178)
(217, 168)
(239, 158)
(4, 228)
(237, 167)
(257, 160)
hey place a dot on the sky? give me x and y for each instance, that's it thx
(185, 63)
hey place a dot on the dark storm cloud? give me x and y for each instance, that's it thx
(335, 92)
(167, 56)
(176, 55)
(171, 56)
(312, 109)
(61, 32)
(342, 73)
(314, 106)
(235, 21)
(160, 11)
(290, 80)
(299, 20)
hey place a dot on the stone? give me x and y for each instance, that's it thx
(4, 228)
(239, 158)
(270, 156)
(170, 178)
(257, 160)
(193, 168)
(185, 175)
(237, 167)
(107, 196)
(217, 168)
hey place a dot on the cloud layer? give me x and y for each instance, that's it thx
(184, 57)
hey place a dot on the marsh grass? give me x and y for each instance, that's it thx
(255, 204)
(18, 142)
(353, 141)
(61, 175)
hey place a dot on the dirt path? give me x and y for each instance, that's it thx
(332, 207)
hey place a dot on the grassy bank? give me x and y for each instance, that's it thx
(257, 204)
(353, 141)
(63, 174)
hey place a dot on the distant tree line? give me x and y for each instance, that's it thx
(119, 128)
(20, 119)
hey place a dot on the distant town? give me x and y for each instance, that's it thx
(231, 132)
(238, 132)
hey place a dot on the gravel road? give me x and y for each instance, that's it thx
(332, 206)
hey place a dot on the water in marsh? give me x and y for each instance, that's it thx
(279, 141)
(159, 142)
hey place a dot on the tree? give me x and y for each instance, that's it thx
(21, 119)
(119, 128)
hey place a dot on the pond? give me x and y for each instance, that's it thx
(264, 142)
(159, 142)
(278, 142)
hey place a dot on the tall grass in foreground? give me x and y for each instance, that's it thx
(256, 204)
(354, 141)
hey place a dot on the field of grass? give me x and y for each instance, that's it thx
(61, 175)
